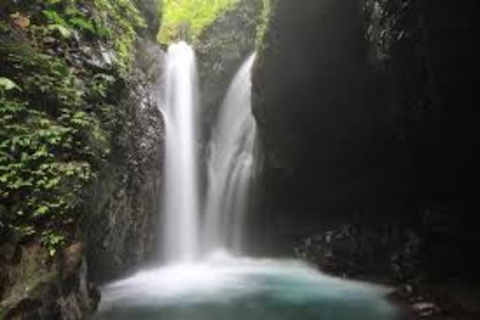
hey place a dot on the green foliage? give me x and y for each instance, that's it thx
(113, 22)
(49, 146)
(52, 240)
(119, 20)
(65, 32)
(7, 84)
(187, 19)
(56, 110)
(266, 17)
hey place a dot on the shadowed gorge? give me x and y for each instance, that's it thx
(239, 159)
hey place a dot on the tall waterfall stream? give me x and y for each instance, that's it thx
(181, 209)
(201, 279)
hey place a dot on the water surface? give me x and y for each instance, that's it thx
(227, 288)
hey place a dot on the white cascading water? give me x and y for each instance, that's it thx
(220, 286)
(231, 166)
(181, 197)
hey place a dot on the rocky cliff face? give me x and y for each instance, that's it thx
(114, 229)
(364, 107)
(324, 116)
(427, 48)
(123, 206)
(39, 287)
(367, 113)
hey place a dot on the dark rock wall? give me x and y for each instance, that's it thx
(430, 50)
(323, 115)
(35, 286)
(366, 106)
(124, 204)
(151, 11)
(368, 114)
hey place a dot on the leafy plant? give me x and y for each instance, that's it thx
(187, 19)
(52, 240)
(55, 108)
(7, 84)
(65, 32)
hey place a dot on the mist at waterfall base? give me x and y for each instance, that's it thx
(227, 288)
(201, 281)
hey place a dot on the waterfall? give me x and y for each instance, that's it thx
(181, 199)
(221, 286)
(231, 166)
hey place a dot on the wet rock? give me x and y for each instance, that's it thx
(151, 11)
(42, 287)
(123, 206)
(99, 57)
(324, 119)
(425, 309)
(72, 258)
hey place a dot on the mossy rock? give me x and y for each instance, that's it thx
(42, 287)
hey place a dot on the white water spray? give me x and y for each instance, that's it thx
(231, 166)
(181, 201)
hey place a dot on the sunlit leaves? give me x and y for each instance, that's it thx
(52, 240)
(186, 19)
(63, 31)
(7, 84)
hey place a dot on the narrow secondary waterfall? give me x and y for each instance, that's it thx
(181, 203)
(231, 165)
